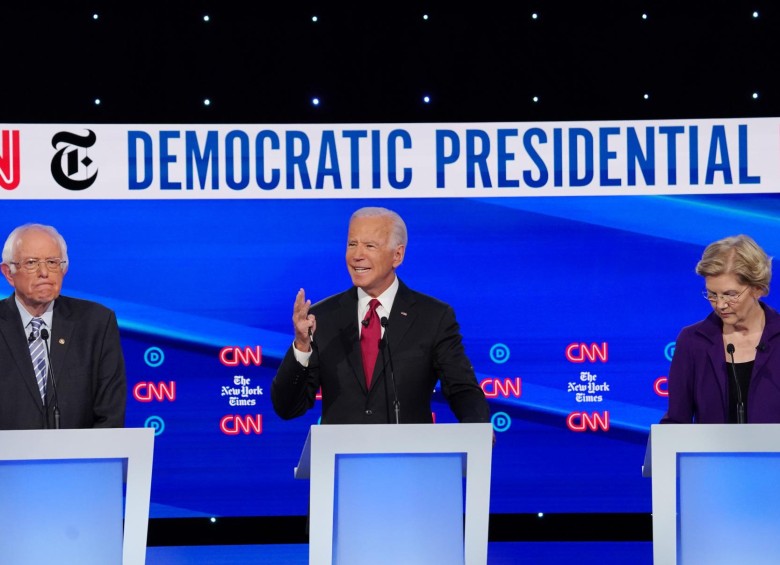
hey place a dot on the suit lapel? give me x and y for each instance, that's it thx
(349, 335)
(713, 332)
(771, 330)
(12, 333)
(402, 317)
(61, 333)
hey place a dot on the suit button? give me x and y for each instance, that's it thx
(369, 412)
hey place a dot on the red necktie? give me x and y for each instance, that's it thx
(369, 340)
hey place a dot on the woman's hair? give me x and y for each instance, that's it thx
(738, 255)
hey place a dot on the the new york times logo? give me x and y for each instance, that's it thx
(71, 162)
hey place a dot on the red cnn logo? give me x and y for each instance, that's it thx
(580, 352)
(9, 159)
(147, 392)
(582, 421)
(233, 424)
(660, 386)
(233, 356)
(506, 388)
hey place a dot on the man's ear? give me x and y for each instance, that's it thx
(398, 256)
(7, 273)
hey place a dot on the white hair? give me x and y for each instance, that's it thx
(398, 235)
(13, 238)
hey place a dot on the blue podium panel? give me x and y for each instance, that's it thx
(388, 493)
(45, 516)
(728, 508)
(398, 508)
(716, 494)
(61, 495)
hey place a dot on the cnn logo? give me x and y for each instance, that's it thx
(582, 421)
(149, 392)
(233, 356)
(581, 352)
(234, 424)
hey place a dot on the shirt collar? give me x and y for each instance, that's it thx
(386, 300)
(47, 316)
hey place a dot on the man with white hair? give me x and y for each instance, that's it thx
(61, 361)
(378, 349)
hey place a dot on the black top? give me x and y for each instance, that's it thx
(743, 371)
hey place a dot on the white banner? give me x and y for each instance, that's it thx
(199, 161)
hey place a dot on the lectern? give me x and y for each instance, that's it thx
(75, 496)
(388, 493)
(716, 493)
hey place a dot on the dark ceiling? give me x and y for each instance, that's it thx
(263, 62)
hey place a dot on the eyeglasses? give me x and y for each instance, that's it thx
(730, 297)
(32, 265)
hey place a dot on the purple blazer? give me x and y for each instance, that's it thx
(698, 376)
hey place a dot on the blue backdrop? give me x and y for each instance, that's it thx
(529, 278)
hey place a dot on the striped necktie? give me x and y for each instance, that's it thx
(38, 355)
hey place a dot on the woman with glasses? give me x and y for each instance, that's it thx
(726, 368)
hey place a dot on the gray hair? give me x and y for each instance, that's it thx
(398, 235)
(13, 238)
(741, 256)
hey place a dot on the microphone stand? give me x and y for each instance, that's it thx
(740, 404)
(386, 342)
(45, 337)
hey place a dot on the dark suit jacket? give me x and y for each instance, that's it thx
(87, 362)
(699, 378)
(425, 344)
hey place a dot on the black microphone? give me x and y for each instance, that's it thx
(740, 405)
(45, 338)
(386, 342)
(365, 323)
(31, 337)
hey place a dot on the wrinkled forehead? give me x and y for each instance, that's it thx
(36, 243)
(370, 227)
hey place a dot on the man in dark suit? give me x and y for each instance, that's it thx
(61, 362)
(423, 342)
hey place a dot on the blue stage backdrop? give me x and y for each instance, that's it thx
(569, 308)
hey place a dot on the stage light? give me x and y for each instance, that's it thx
(425, 16)
(644, 16)
(206, 18)
(206, 102)
(315, 19)
(535, 99)
(97, 101)
(755, 96)
(315, 101)
(427, 99)
(95, 16)
(534, 16)
(755, 14)
(646, 96)
(540, 514)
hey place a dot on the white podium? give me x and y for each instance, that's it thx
(716, 494)
(390, 493)
(75, 496)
